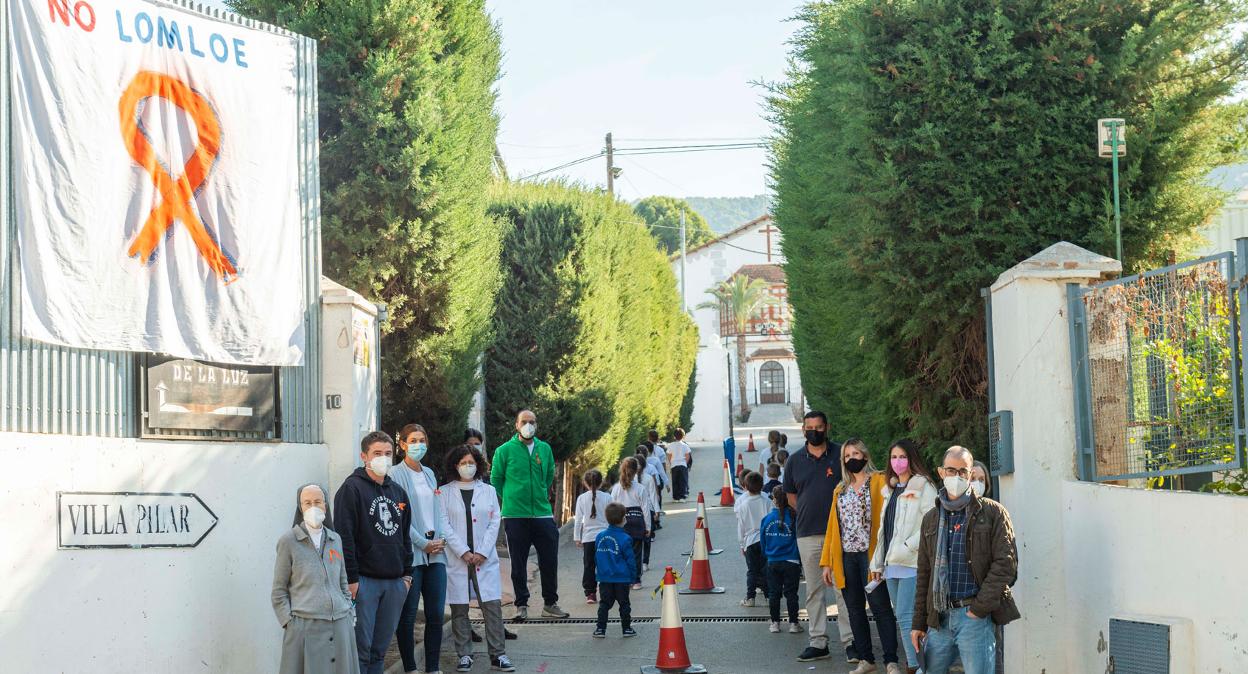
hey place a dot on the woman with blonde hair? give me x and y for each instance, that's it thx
(853, 526)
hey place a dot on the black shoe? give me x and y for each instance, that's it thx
(812, 653)
(600, 633)
(851, 655)
(476, 638)
(630, 632)
(509, 634)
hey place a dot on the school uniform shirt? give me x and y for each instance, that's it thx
(485, 518)
(613, 556)
(779, 536)
(588, 526)
(678, 454)
(652, 490)
(764, 458)
(654, 467)
(750, 509)
(633, 497)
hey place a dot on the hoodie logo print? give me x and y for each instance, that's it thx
(385, 514)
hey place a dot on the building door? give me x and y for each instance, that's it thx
(771, 383)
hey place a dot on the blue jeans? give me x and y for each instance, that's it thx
(428, 581)
(901, 591)
(975, 639)
(378, 603)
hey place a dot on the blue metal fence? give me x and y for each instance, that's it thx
(1157, 369)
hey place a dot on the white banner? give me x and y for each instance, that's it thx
(156, 181)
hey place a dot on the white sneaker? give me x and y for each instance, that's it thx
(863, 667)
(645, 567)
(748, 601)
(775, 627)
(894, 668)
(795, 628)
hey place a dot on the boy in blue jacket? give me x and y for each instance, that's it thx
(616, 570)
(784, 567)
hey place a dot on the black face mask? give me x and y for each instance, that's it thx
(816, 438)
(855, 466)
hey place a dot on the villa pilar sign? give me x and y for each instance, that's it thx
(189, 394)
(135, 520)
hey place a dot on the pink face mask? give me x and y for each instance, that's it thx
(900, 465)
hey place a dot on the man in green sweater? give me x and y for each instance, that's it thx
(524, 470)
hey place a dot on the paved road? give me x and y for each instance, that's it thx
(720, 633)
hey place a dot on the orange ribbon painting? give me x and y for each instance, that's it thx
(176, 194)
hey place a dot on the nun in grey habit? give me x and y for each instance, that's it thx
(310, 595)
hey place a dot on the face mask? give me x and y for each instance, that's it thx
(855, 465)
(467, 472)
(816, 438)
(527, 431)
(379, 465)
(955, 486)
(977, 487)
(417, 451)
(901, 465)
(313, 517)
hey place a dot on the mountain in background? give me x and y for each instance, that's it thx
(726, 213)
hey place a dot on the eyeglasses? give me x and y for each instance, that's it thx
(955, 472)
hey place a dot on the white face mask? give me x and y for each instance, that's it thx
(955, 486)
(379, 465)
(467, 472)
(527, 431)
(313, 517)
(977, 487)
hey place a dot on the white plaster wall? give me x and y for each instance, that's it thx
(1173, 554)
(356, 383)
(203, 609)
(710, 400)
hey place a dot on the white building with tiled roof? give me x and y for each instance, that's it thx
(752, 250)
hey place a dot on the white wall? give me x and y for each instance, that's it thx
(203, 609)
(344, 311)
(710, 406)
(1089, 552)
(1229, 224)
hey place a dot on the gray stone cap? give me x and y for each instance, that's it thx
(1062, 261)
(333, 292)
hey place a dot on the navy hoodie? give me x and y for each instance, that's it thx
(375, 523)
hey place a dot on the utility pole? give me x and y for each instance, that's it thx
(1111, 143)
(610, 166)
(683, 302)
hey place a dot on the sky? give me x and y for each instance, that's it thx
(642, 70)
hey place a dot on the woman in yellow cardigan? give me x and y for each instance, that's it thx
(848, 544)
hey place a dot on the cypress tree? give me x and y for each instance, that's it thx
(407, 129)
(926, 146)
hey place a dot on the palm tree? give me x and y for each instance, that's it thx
(739, 299)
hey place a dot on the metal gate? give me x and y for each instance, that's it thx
(1156, 365)
(771, 387)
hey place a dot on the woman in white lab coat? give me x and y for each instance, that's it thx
(472, 571)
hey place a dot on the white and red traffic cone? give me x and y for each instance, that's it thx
(673, 656)
(740, 465)
(726, 496)
(750, 448)
(700, 514)
(700, 580)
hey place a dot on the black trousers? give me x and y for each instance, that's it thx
(608, 595)
(783, 578)
(680, 482)
(588, 576)
(541, 533)
(856, 600)
(755, 571)
(639, 545)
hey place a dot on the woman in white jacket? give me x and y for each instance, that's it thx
(908, 494)
(472, 513)
(631, 493)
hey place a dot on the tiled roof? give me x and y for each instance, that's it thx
(726, 235)
(771, 273)
(771, 353)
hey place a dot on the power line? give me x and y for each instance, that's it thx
(726, 146)
(650, 150)
(691, 140)
(560, 167)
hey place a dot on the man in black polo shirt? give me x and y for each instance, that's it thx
(810, 476)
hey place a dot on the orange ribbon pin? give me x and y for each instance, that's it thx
(176, 194)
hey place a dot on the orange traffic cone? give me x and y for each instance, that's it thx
(751, 446)
(726, 497)
(673, 657)
(700, 581)
(740, 465)
(700, 514)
